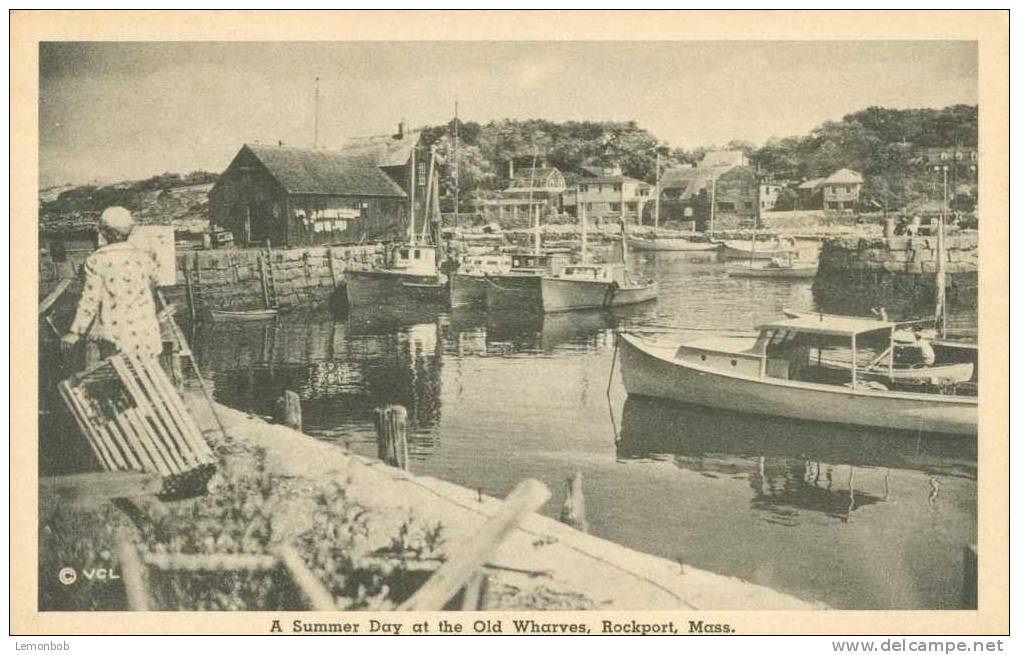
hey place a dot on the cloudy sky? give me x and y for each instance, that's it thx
(112, 111)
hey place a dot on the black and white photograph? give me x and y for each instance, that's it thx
(499, 326)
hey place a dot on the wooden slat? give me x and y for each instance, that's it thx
(54, 295)
(319, 597)
(162, 426)
(151, 458)
(133, 573)
(133, 458)
(189, 428)
(526, 498)
(89, 489)
(68, 394)
(195, 563)
(144, 429)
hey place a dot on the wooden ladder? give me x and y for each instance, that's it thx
(269, 279)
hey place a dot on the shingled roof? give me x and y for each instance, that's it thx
(386, 150)
(319, 172)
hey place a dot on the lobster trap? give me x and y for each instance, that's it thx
(135, 420)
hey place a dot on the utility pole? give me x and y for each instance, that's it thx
(316, 113)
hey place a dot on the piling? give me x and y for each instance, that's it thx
(288, 410)
(391, 433)
(574, 512)
(969, 577)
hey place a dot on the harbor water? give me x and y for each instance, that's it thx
(854, 518)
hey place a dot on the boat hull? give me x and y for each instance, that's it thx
(558, 294)
(670, 245)
(513, 291)
(780, 273)
(652, 371)
(371, 287)
(219, 315)
(731, 252)
(467, 290)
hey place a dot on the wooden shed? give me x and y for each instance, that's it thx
(294, 196)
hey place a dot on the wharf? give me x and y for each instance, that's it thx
(541, 558)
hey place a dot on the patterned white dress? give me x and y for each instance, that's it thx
(117, 300)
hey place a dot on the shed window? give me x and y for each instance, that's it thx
(417, 253)
(617, 187)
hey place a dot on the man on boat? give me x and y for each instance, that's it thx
(117, 310)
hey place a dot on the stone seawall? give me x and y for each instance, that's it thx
(898, 273)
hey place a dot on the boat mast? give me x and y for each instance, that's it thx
(413, 184)
(583, 236)
(426, 216)
(316, 114)
(658, 185)
(711, 218)
(534, 218)
(456, 163)
(940, 311)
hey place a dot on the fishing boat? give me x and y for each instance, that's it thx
(223, 315)
(590, 286)
(743, 250)
(468, 285)
(410, 271)
(782, 373)
(670, 244)
(520, 288)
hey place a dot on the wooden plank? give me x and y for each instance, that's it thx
(163, 424)
(144, 428)
(54, 295)
(133, 573)
(69, 399)
(194, 563)
(433, 595)
(319, 597)
(153, 459)
(186, 423)
(88, 489)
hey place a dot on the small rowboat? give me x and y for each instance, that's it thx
(671, 244)
(754, 251)
(222, 315)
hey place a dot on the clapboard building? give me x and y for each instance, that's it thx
(291, 196)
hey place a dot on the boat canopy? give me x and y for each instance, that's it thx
(829, 325)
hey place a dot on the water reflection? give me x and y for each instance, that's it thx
(791, 466)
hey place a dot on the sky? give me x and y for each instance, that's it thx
(128, 110)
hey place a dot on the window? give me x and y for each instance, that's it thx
(417, 253)
(617, 187)
(583, 188)
(631, 206)
(614, 206)
(726, 206)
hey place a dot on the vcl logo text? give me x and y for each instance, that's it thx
(69, 576)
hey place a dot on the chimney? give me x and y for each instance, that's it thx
(401, 129)
(281, 143)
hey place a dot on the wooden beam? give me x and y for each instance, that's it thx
(433, 595)
(90, 489)
(54, 295)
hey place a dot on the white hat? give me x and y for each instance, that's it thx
(117, 219)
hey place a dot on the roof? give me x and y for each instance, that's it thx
(845, 326)
(321, 172)
(691, 180)
(522, 178)
(386, 149)
(811, 184)
(844, 176)
(607, 179)
(727, 158)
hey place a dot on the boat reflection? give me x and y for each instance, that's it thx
(791, 466)
(340, 370)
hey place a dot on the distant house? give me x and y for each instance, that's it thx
(961, 162)
(296, 196)
(720, 192)
(768, 194)
(839, 192)
(605, 193)
(530, 191)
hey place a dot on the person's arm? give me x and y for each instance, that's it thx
(88, 306)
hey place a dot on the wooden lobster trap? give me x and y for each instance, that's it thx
(134, 420)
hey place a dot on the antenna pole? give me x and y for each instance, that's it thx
(316, 113)
(456, 163)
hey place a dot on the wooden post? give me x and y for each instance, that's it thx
(288, 410)
(443, 585)
(133, 572)
(574, 513)
(969, 577)
(332, 266)
(391, 433)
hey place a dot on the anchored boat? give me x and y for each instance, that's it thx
(670, 244)
(590, 286)
(737, 250)
(782, 373)
(469, 284)
(410, 272)
(520, 288)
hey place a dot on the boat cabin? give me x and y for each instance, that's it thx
(550, 263)
(810, 348)
(413, 259)
(490, 263)
(593, 273)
